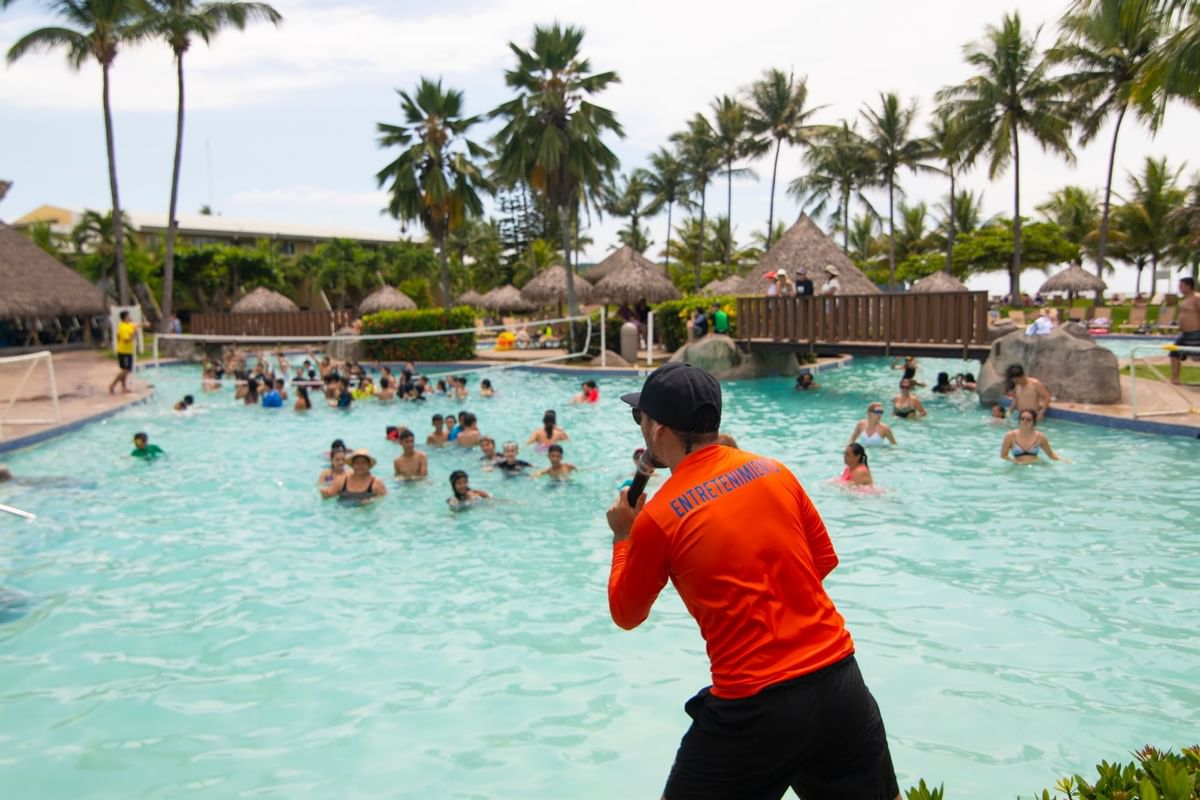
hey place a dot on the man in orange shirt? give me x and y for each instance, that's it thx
(747, 551)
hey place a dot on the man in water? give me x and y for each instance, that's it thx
(143, 449)
(1189, 326)
(788, 706)
(487, 447)
(412, 464)
(126, 337)
(439, 437)
(468, 434)
(558, 469)
(510, 464)
(185, 404)
(271, 398)
(1028, 394)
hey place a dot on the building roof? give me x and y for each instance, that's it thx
(215, 226)
(805, 245)
(37, 285)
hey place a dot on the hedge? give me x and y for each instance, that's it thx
(451, 347)
(671, 317)
(613, 333)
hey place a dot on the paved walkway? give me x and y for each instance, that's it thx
(1153, 397)
(82, 377)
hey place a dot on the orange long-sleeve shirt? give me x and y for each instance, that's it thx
(746, 549)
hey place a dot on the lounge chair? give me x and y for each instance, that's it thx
(1101, 321)
(1017, 318)
(1077, 314)
(1137, 319)
(1166, 319)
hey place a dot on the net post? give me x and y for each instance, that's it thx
(603, 340)
(53, 388)
(650, 339)
(156, 352)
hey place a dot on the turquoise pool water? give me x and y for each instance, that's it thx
(204, 626)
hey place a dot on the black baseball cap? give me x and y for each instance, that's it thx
(680, 396)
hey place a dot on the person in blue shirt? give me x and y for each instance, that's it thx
(272, 399)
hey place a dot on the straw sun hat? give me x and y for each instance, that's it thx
(831, 269)
(361, 452)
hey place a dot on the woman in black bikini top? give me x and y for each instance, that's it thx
(361, 462)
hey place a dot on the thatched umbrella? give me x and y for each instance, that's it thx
(1072, 280)
(34, 284)
(263, 301)
(550, 286)
(939, 281)
(386, 298)
(618, 260)
(805, 245)
(505, 298)
(470, 298)
(631, 282)
(734, 284)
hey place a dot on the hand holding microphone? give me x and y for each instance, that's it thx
(645, 468)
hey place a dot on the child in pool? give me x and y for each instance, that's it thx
(464, 495)
(143, 449)
(558, 469)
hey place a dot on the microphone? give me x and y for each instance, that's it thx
(645, 469)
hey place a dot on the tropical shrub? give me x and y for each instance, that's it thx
(449, 347)
(613, 333)
(671, 317)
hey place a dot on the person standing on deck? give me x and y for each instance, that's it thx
(1189, 326)
(788, 706)
(126, 337)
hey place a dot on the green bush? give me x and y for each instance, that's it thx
(453, 347)
(1154, 775)
(613, 333)
(670, 318)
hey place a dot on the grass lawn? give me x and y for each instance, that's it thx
(1190, 374)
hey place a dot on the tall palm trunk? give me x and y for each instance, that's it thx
(444, 261)
(1014, 275)
(564, 222)
(951, 232)
(168, 291)
(891, 236)
(771, 207)
(668, 249)
(700, 240)
(1137, 282)
(118, 223)
(1102, 245)
(846, 221)
(728, 210)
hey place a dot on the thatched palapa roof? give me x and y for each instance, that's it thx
(470, 298)
(505, 298)
(263, 301)
(940, 281)
(550, 286)
(622, 257)
(386, 298)
(806, 246)
(734, 284)
(633, 281)
(1073, 279)
(34, 284)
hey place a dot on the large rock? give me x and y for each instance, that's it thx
(1074, 368)
(1001, 329)
(720, 356)
(614, 360)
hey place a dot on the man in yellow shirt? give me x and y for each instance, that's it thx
(126, 337)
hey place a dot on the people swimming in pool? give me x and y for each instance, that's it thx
(143, 449)
(358, 484)
(558, 469)
(805, 381)
(965, 381)
(302, 401)
(460, 388)
(485, 388)
(1025, 443)
(412, 464)
(464, 495)
(943, 385)
(185, 405)
(872, 429)
(452, 427)
(637, 465)
(468, 430)
(999, 412)
(589, 393)
(856, 473)
(440, 435)
(509, 464)
(337, 466)
(909, 365)
(906, 404)
(549, 433)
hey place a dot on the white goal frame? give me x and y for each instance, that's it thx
(9, 400)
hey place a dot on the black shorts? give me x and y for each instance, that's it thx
(1188, 339)
(125, 361)
(820, 734)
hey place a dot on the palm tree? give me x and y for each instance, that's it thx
(963, 213)
(92, 29)
(626, 199)
(1073, 209)
(735, 142)
(701, 157)
(1012, 93)
(1152, 208)
(779, 111)
(96, 233)
(945, 139)
(891, 147)
(552, 136)
(434, 179)
(913, 236)
(177, 22)
(665, 182)
(863, 244)
(840, 169)
(1175, 68)
(1110, 46)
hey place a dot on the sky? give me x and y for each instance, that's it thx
(281, 121)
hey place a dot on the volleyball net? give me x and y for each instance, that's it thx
(28, 383)
(373, 347)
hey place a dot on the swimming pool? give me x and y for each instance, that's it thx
(204, 626)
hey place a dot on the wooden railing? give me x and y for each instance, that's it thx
(284, 323)
(951, 318)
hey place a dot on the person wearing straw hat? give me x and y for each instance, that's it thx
(358, 484)
(748, 553)
(831, 286)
